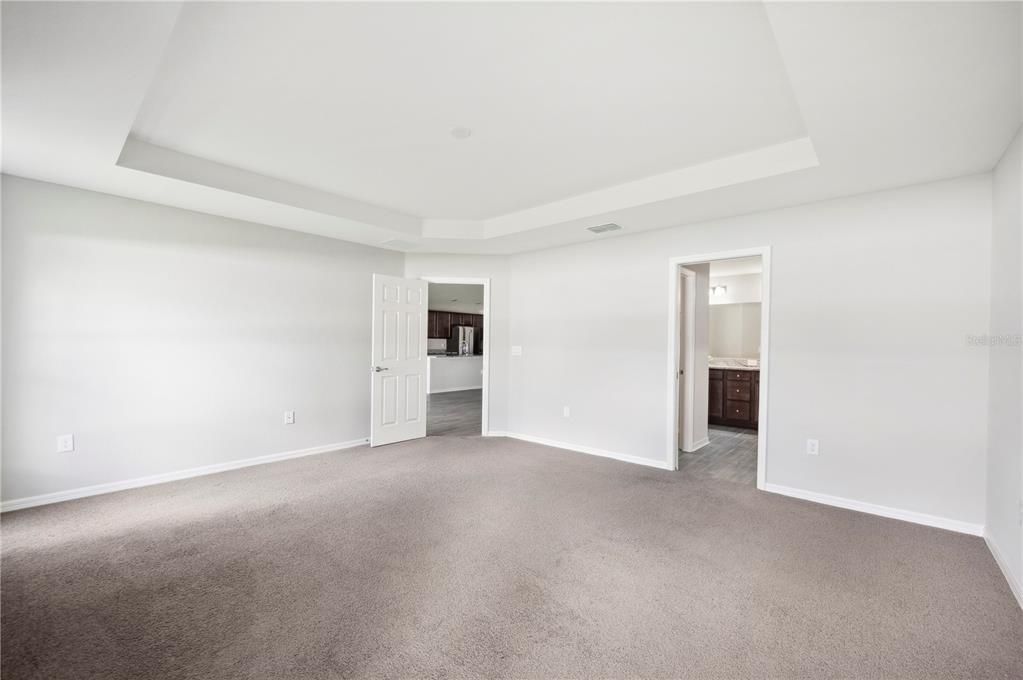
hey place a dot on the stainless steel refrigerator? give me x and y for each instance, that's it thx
(461, 340)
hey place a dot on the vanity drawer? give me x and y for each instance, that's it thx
(717, 374)
(740, 391)
(738, 375)
(736, 410)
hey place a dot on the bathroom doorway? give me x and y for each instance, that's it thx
(718, 351)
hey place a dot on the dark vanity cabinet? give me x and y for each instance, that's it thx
(734, 398)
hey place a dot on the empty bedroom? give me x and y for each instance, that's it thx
(511, 340)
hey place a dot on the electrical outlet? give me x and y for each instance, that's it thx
(567, 412)
(65, 443)
(813, 447)
(289, 417)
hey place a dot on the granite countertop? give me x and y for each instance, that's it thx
(735, 364)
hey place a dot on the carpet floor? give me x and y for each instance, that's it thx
(466, 557)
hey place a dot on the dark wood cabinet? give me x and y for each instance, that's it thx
(734, 398)
(715, 407)
(439, 324)
(742, 391)
(754, 415)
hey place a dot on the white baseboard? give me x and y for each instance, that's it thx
(699, 445)
(624, 457)
(456, 389)
(881, 510)
(1015, 586)
(97, 489)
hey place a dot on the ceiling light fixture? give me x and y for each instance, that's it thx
(461, 132)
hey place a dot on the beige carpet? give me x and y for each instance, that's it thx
(476, 558)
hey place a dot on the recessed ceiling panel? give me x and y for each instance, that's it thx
(468, 111)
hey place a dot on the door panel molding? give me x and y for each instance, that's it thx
(398, 368)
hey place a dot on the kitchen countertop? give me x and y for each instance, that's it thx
(455, 356)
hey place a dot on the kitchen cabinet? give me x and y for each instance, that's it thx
(734, 398)
(439, 324)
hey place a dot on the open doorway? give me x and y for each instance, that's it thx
(458, 356)
(718, 348)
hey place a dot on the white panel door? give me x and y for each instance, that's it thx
(399, 360)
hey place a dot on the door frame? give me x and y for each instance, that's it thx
(487, 321)
(674, 265)
(687, 389)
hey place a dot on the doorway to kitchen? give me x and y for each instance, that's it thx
(718, 352)
(458, 341)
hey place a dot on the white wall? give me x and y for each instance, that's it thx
(873, 298)
(167, 340)
(739, 288)
(735, 330)
(701, 337)
(1005, 442)
(452, 374)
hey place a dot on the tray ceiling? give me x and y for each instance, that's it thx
(338, 119)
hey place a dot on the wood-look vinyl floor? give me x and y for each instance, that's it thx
(730, 456)
(455, 414)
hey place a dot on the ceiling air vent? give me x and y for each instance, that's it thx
(600, 229)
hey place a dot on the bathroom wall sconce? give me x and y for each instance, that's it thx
(718, 290)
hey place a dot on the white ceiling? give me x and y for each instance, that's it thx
(359, 99)
(456, 297)
(737, 266)
(335, 118)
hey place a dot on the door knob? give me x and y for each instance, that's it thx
(377, 369)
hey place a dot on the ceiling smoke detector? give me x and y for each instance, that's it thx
(600, 229)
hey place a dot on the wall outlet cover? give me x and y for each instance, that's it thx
(813, 447)
(289, 417)
(65, 443)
